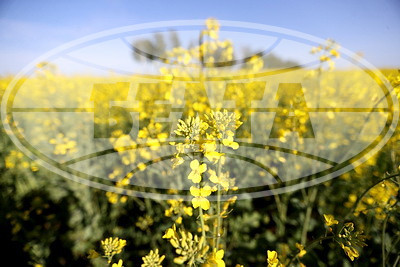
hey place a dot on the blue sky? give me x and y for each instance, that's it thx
(31, 28)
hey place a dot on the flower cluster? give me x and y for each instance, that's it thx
(177, 210)
(153, 259)
(327, 52)
(190, 248)
(112, 246)
(346, 237)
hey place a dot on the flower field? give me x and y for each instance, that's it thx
(195, 175)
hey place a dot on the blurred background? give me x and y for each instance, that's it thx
(47, 220)
(31, 28)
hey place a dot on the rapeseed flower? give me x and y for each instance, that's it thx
(351, 252)
(153, 259)
(330, 220)
(197, 170)
(200, 195)
(112, 246)
(216, 259)
(119, 264)
(273, 260)
(301, 249)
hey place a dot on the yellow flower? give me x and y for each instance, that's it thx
(302, 252)
(152, 259)
(176, 161)
(273, 260)
(188, 211)
(216, 259)
(169, 233)
(223, 181)
(330, 220)
(209, 146)
(210, 153)
(351, 252)
(199, 199)
(212, 24)
(334, 53)
(197, 170)
(112, 246)
(324, 58)
(230, 143)
(63, 145)
(213, 156)
(179, 220)
(118, 265)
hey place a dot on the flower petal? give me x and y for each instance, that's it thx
(194, 164)
(195, 191)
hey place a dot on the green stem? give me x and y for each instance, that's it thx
(203, 231)
(396, 261)
(219, 216)
(310, 246)
(219, 168)
(383, 241)
(393, 245)
(282, 217)
(201, 214)
(307, 218)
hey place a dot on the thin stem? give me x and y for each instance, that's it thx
(311, 245)
(278, 202)
(219, 168)
(396, 261)
(281, 214)
(383, 241)
(203, 231)
(307, 217)
(219, 215)
(393, 245)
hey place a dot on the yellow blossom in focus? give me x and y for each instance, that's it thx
(351, 252)
(112, 246)
(169, 233)
(178, 220)
(153, 259)
(230, 143)
(273, 260)
(330, 220)
(200, 195)
(197, 170)
(216, 259)
(118, 265)
(210, 152)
